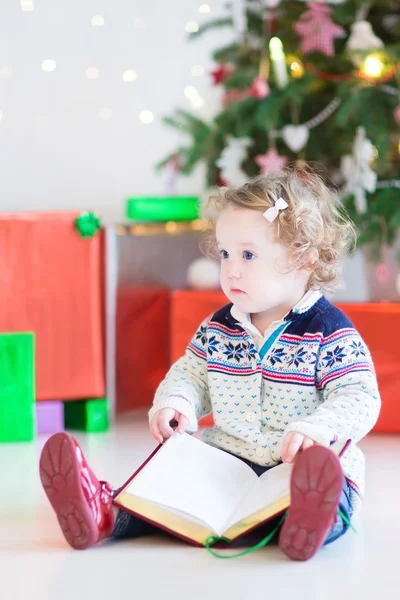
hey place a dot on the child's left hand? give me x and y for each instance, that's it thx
(292, 443)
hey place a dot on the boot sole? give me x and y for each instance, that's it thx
(60, 476)
(315, 488)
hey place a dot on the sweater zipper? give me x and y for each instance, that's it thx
(272, 338)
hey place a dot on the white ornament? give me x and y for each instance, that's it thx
(203, 274)
(230, 160)
(295, 136)
(363, 38)
(356, 170)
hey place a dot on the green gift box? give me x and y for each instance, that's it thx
(163, 208)
(17, 387)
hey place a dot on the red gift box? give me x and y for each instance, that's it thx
(51, 283)
(142, 344)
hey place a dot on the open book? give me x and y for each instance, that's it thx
(194, 490)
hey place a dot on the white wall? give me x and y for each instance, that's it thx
(55, 150)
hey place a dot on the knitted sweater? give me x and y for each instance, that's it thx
(313, 375)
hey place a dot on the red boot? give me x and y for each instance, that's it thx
(83, 504)
(315, 488)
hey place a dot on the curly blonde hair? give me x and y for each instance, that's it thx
(313, 220)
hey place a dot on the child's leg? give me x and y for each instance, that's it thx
(82, 503)
(316, 487)
(340, 526)
(128, 526)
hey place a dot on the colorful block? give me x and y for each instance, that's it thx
(87, 415)
(49, 417)
(17, 387)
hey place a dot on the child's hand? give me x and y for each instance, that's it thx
(160, 425)
(293, 442)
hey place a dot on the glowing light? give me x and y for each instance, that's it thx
(192, 27)
(92, 73)
(129, 75)
(27, 5)
(297, 69)
(98, 21)
(48, 65)
(373, 66)
(146, 116)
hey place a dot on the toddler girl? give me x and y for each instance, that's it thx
(283, 371)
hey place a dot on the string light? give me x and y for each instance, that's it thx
(98, 21)
(192, 27)
(193, 96)
(190, 91)
(92, 73)
(296, 66)
(48, 65)
(129, 75)
(278, 61)
(146, 116)
(372, 66)
(27, 5)
(204, 8)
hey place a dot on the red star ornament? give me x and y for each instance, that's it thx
(221, 73)
(271, 162)
(318, 30)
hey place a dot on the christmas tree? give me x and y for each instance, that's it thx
(309, 81)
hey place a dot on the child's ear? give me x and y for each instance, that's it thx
(310, 257)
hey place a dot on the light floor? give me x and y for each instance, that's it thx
(37, 564)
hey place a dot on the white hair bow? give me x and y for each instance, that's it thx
(273, 211)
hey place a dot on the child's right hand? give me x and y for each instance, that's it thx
(160, 424)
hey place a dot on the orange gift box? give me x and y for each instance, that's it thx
(51, 283)
(142, 344)
(377, 323)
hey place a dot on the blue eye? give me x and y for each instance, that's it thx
(248, 255)
(223, 254)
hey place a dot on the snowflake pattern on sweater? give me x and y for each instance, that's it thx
(316, 377)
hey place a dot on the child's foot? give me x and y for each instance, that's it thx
(83, 504)
(315, 487)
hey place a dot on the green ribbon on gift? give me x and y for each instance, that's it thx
(87, 224)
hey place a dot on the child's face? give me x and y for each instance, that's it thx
(256, 274)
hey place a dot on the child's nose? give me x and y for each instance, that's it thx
(233, 269)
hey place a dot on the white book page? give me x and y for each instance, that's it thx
(272, 485)
(189, 476)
